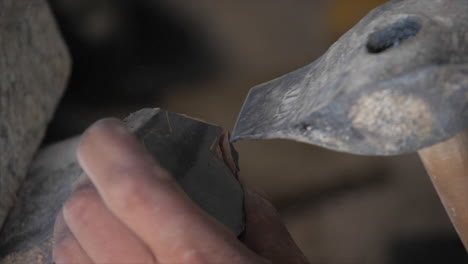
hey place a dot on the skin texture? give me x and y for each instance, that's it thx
(127, 209)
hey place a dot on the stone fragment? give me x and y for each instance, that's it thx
(34, 67)
(196, 153)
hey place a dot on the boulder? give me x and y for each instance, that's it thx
(34, 67)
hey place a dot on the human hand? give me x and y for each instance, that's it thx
(130, 210)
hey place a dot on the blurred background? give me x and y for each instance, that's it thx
(200, 58)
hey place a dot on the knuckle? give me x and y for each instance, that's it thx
(128, 193)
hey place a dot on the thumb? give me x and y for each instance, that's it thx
(266, 233)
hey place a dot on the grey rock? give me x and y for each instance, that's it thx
(27, 234)
(34, 67)
(191, 150)
(395, 83)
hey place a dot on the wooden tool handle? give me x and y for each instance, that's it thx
(447, 165)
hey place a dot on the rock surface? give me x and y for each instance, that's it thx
(27, 234)
(193, 151)
(34, 67)
(395, 83)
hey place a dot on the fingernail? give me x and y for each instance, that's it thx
(106, 139)
(108, 147)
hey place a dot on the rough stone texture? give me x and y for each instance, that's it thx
(395, 83)
(34, 67)
(40, 254)
(46, 187)
(191, 150)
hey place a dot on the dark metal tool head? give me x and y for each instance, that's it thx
(395, 83)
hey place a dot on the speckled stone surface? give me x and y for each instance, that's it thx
(395, 83)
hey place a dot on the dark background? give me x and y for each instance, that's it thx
(200, 58)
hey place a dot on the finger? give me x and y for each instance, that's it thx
(266, 233)
(66, 249)
(102, 236)
(149, 201)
